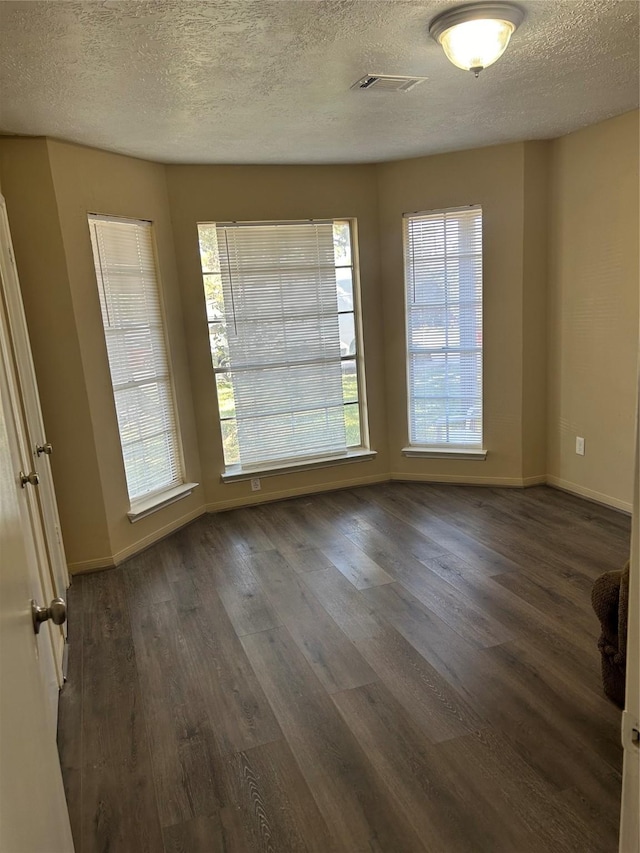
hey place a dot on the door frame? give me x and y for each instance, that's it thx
(43, 507)
(21, 391)
(34, 810)
(629, 817)
(28, 385)
(48, 645)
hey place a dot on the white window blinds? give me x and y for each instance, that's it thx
(136, 346)
(443, 278)
(280, 301)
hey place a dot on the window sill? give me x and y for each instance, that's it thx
(236, 474)
(143, 508)
(445, 453)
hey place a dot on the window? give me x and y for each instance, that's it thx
(443, 280)
(282, 311)
(124, 258)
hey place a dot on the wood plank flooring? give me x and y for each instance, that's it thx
(393, 668)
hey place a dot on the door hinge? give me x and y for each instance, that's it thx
(31, 478)
(65, 660)
(630, 730)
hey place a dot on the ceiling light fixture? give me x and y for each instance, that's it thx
(475, 36)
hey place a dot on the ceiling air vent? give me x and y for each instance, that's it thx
(387, 82)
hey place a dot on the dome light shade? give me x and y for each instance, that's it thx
(475, 36)
(476, 44)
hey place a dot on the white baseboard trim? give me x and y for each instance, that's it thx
(538, 480)
(589, 494)
(99, 563)
(461, 480)
(140, 545)
(86, 566)
(254, 500)
(157, 535)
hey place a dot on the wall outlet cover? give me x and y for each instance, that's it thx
(579, 445)
(255, 484)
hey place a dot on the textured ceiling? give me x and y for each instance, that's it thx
(255, 81)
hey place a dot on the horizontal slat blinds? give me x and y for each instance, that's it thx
(443, 277)
(284, 357)
(136, 346)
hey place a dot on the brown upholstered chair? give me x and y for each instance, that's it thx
(610, 600)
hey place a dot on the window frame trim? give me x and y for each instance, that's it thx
(234, 472)
(435, 451)
(439, 451)
(155, 498)
(158, 500)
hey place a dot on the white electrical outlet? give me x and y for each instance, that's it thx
(579, 445)
(255, 484)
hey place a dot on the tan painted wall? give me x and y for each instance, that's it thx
(40, 257)
(534, 309)
(568, 207)
(91, 181)
(70, 352)
(593, 317)
(223, 193)
(494, 178)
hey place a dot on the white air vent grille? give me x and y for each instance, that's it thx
(387, 82)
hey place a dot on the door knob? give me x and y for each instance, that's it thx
(56, 611)
(31, 477)
(44, 448)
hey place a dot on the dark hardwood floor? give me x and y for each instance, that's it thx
(392, 668)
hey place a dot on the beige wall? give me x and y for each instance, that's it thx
(494, 178)
(560, 312)
(534, 309)
(63, 312)
(40, 257)
(593, 317)
(223, 193)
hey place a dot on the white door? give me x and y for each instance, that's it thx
(41, 450)
(630, 812)
(34, 458)
(33, 812)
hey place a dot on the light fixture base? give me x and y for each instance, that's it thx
(474, 12)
